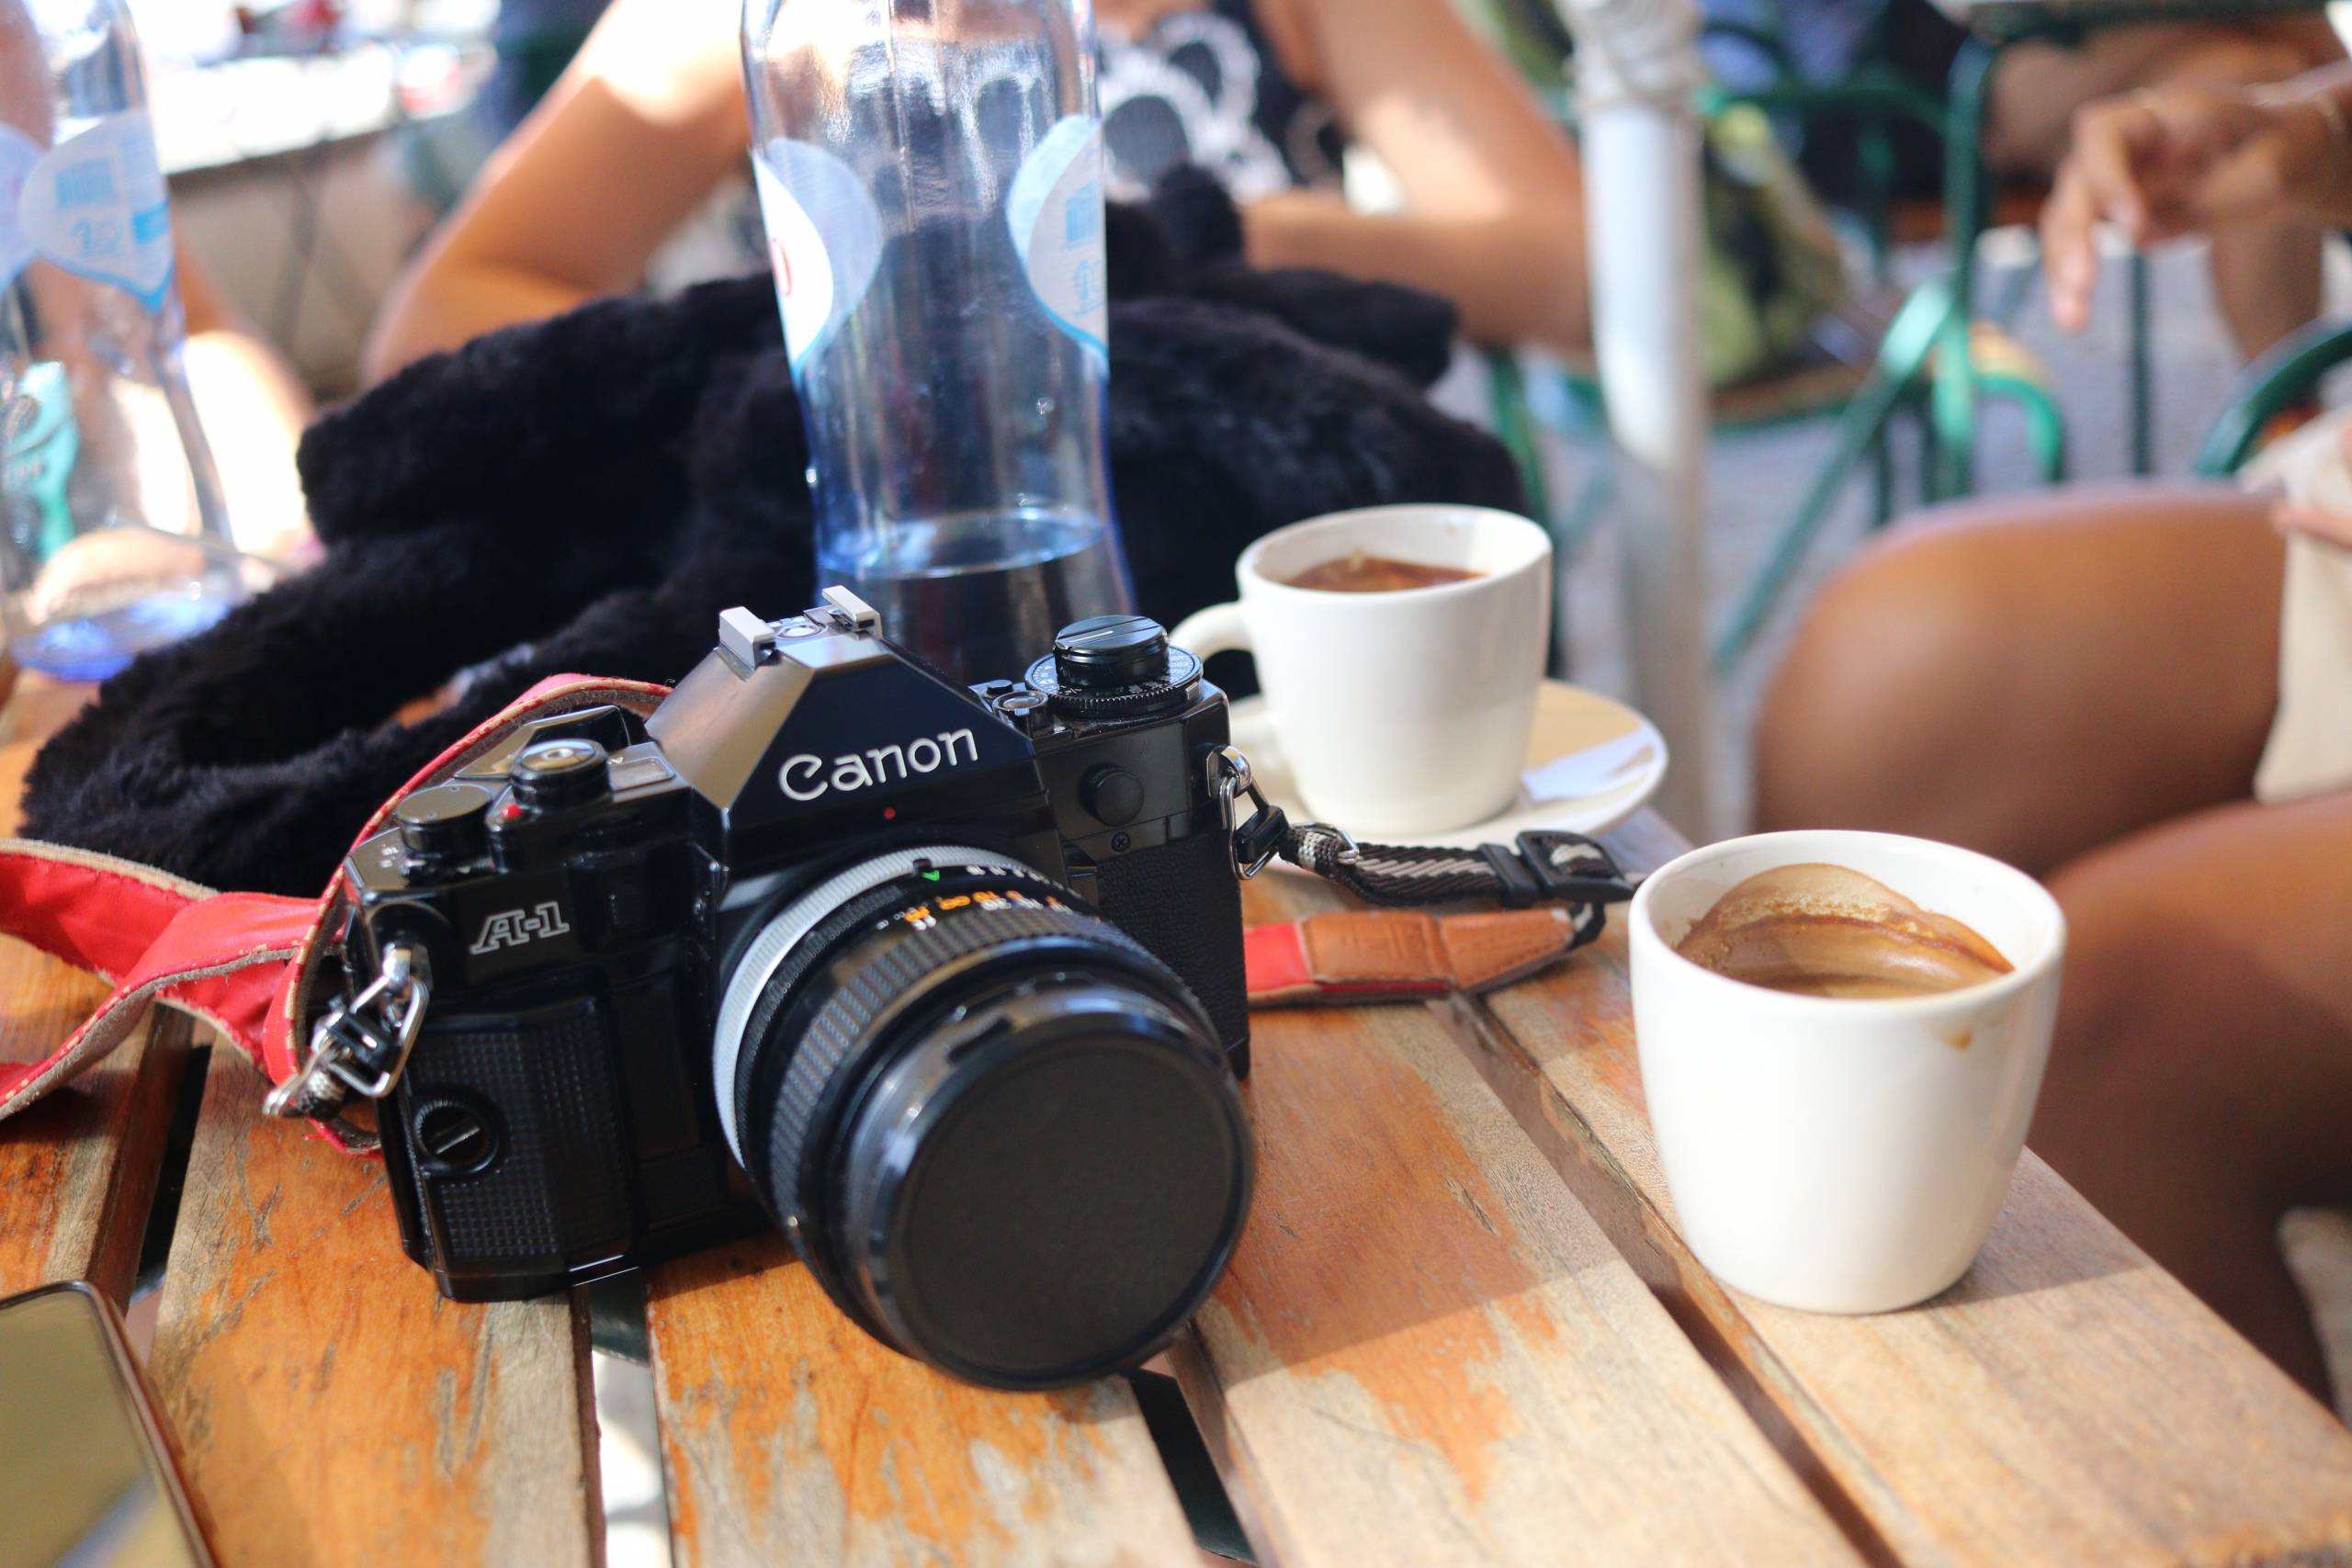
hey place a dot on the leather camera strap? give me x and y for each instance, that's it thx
(1365, 956)
(243, 963)
(247, 963)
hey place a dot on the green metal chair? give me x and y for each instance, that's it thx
(1867, 399)
(2286, 378)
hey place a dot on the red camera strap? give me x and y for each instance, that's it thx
(242, 961)
(245, 962)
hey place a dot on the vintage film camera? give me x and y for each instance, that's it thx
(945, 982)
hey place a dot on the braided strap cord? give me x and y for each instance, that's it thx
(1550, 867)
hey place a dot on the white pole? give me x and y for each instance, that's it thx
(1638, 67)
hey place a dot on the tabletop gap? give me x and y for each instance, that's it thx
(636, 1493)
(1426, 1350)
(2067, 1402)
(1646, 1241)
(186, 1102)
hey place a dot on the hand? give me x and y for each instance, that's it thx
(2162, 164)
(2318, 523)
(2333, 527)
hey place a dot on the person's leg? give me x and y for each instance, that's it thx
(2266, 276)
(2032, 677)
(2201, 1082)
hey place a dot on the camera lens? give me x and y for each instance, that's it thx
(1000, 1132)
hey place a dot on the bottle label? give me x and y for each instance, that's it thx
(96, 205)
(19, 154)
(1055, 213)
(824, 240)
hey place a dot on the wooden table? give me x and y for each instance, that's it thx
(1460, 1328)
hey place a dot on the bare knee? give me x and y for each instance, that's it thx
(1872, 701)
(2143, 1054)
(2120, 953)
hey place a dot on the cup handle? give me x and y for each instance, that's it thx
(1217, 629)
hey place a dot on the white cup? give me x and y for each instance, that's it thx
(1406, 711)
(1833, 1153)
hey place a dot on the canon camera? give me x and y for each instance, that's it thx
(946, 981)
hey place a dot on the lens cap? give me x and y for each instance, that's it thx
(1054, 1207)
(1001, 1134)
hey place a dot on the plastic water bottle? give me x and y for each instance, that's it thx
(113, 538)
(931, 175)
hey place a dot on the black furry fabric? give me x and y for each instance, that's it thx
(587, 494)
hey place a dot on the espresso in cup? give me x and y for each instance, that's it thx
(1841, 1036)
(1360, 572)
(1398, 713)
(1829, 930)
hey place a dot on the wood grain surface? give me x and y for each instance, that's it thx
(1427, 1352)
(2067, 1403)
(38, 709)
(790, 1436)
(327, 1404)
(77, 1171)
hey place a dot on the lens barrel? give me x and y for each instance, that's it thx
(998, 1131)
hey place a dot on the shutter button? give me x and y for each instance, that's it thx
(1113, 796)
(553, 774)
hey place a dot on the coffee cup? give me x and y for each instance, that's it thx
(1403, 711)
(1829, 1152)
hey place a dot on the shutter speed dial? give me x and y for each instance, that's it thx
(1116, 667)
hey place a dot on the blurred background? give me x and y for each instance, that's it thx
(312, 146)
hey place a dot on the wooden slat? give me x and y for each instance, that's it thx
(37, 710)
(1427, 1352)
(788, 1435)
(77, 1171)
(2068, 1403)
(328, 1405)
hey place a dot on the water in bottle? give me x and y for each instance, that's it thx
(113, 538)
(931, 175)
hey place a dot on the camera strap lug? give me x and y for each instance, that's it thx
(362, 1045)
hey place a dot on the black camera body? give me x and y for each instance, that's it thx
(833, 943)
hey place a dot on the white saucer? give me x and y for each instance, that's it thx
(1591, 763)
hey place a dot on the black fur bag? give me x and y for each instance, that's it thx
(587, 494)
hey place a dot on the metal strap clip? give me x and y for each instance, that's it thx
(1259, 839)
(363, 1042)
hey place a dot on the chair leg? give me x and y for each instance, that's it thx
(2141, 392)
(1881, 476)
(1902, 360)
(1965, 200)
(1515, 427)
(2045, 422)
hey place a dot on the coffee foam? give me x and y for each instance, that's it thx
(1829, 930)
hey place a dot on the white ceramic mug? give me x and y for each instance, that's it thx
(1402, 712)
(1833, 1153)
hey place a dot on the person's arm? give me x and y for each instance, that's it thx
(2160, 163)
(645, 124)
(1493, 215)
(254, 408)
